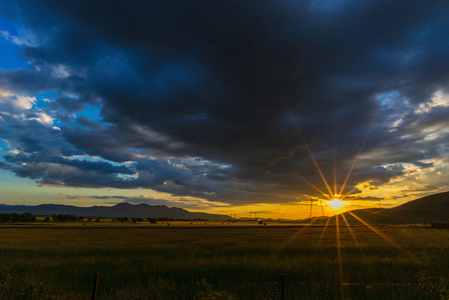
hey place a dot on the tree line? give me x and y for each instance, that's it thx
(29, 217)
(152, 220)
(17, 218)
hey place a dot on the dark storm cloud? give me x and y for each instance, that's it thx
(234, 84)
(423, 165)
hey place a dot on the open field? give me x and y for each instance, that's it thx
(107, 222)
(222, 261)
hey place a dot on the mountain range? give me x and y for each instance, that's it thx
(116, 211)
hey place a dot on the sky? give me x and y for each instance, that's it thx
(224, 106)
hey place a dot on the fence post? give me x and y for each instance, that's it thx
(282, 286)
(94, 290)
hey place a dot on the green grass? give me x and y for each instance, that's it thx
(221, 263)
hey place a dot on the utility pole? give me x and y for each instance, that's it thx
(311, 203)
(322, 209)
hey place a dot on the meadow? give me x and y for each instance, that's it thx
(221, 261)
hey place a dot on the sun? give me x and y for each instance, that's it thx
(336, 204)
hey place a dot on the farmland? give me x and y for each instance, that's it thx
(221, 261)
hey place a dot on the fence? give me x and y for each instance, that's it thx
(291, 289)
(321, 290)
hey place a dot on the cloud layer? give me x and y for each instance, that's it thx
(221, 100)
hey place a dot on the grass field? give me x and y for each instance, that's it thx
(215, 261)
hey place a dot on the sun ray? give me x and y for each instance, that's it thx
(380, 213)
(340, 267)
(311, 205)
(313, 159)
(352, 233)
(293, 237)
(380, 234)
(335, 163)
(357, 243)
(322, 232)
(315, 188)
(356, 158)
(322, 209)
(347, 194)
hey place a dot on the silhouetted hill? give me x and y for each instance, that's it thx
(433, 208)
(119, 210)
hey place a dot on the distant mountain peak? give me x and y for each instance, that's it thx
(122, 204)
(123, 209)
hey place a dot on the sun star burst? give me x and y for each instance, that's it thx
(336, 204)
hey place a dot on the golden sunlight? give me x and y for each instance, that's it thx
(336, 204)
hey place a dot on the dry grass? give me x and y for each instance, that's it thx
(221, 262)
